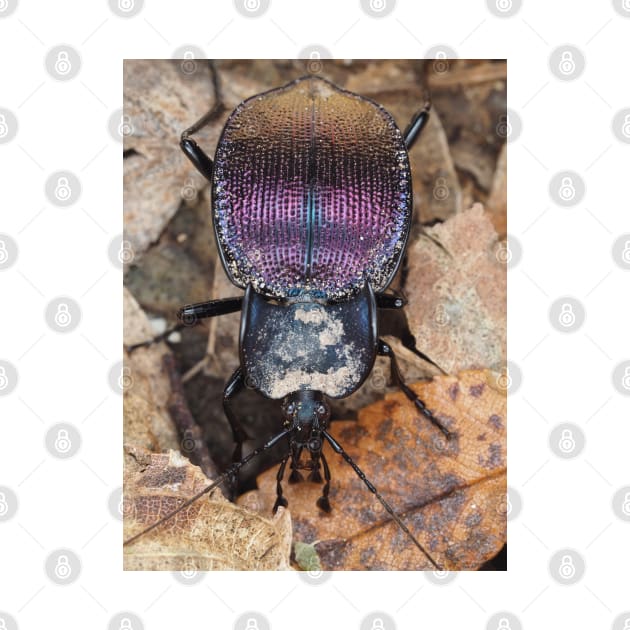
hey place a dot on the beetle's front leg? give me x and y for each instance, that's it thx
(385, 350)
(191, 315)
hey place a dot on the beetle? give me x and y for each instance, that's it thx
(311, 209)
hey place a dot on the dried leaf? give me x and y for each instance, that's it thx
(146, 387)
(497, 200)
(450, 494)
(209, 535)
(160, 101)
(456, 287)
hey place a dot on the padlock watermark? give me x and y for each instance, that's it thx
(189, 190)
(120, 125)
(440, 578)
(7, 621)
(125, 620)
(621, 503)
(441, 188)
(508, 252)
(511, 504)
(567, 566)
(567, 188)
(252, 620)
(313, 56)
(120, 377)
(6, 9)
(567, 62)
(567, 440)
(621, 125)
(8, 505)
(190, 58)
(442, 56)
(120, 252)
(378, 620)
(63, 566)
(8, 377)
(504, 8)
(190, 574)
(621, 378)
(378, 8)
(8, 125)
(509, 126)
(8, 252)
(567, 314)
(620, 251)
(63, 440)
(63, 62)
(315, 577)
(622, 7)
(504, 620)
(63, 314)
(508, 378)
(251, 8)
(62, 188)
(125, 8)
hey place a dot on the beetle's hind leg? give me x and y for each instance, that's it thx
(416, 125)
(192, 150)
(385, 350)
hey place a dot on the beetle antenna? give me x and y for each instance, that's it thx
(339, 449)
(232, 470)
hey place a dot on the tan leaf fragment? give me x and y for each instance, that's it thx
(456, 286)
(146, 387)
(211, 534)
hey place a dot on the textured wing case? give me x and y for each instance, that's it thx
(311, 192)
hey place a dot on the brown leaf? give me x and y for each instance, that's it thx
(160, 102)
(497, 200)
(450, 494)
(211, 534)
(146, 421)
(456, 287)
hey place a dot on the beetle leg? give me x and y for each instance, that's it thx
(385, 350)
(416, 125)
(323, 503)
(392, 300)
(280, 498)
(234, 386)
(191, 313)
(192, 150)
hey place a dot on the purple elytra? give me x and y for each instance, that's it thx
(311, 192)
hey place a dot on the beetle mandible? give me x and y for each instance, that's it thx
(311, 208)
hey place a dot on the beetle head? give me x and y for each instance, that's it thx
(306, 410)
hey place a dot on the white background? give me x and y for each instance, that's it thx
(64, 377)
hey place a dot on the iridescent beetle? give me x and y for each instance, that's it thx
(311, 207)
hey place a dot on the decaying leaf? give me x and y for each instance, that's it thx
(160, 101)
(211, 534)
(451, 494)
(146, 387)
(456, 287)
(497, 200)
